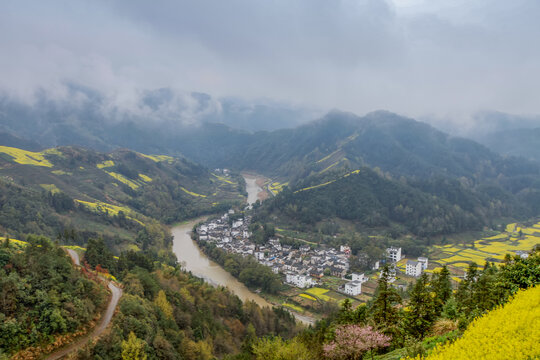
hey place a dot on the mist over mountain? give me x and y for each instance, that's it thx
(197, 126)
(507, 134)
(85, 116)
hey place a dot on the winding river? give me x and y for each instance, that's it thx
(252, 188)
(194, 260)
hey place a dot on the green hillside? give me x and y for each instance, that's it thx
(44, 298)
(371, 201)
(115, 195)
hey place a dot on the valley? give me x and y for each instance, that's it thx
(192, 259)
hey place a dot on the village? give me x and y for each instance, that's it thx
(303, 267)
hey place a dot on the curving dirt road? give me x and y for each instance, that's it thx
(74, 256)
(98, 330)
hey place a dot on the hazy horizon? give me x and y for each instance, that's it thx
(436, 60)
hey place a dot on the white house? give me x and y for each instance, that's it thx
(359, 277)
(353, 288)
(300, 281)
(237, 224)
(424, 262)
(413, 268)
(394, 254)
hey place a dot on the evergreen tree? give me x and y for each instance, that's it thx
(466, 288)
(97, 253)
(442, 287)
(483, 295)
(383, 310)
(421, 312)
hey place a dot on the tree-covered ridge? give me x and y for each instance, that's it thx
(396, 144)
(427, 208)
(42, 295)
(167, 313)
(114, 195)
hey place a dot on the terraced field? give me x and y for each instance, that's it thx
(493, 248)
(25, 157)
(276, 187)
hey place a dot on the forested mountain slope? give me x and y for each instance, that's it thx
(116, 195)
(395, 144)
(42, 296)
(423, 208)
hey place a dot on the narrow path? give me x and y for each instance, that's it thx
(74, 256)
(98, 330)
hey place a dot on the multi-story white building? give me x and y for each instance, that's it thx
(413, 268)
(353, 288)
(301, 281)
(359, 277)
(424, 262)
(394, 254)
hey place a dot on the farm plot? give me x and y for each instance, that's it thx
(493, 248)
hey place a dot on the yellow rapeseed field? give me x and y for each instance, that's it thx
(109, 209)
(277, 187)
(123, 179)
(508, 332)
(319, 292)
(192, 193)
(28, 157)
(493, 247)
(50, 187)
(224, 179)
(159, 158)
(145, 178)
(105, 164)
(309, 297)
(294, 307)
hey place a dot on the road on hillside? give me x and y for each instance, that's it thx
(74, 256)
(98, 330)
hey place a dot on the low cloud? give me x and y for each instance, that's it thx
(411, 57)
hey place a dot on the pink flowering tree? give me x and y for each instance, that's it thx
(353, 341)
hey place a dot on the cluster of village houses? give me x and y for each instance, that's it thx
(303, 267)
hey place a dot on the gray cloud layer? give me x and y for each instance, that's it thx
(409, 56)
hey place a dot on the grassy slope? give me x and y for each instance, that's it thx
(115, 194)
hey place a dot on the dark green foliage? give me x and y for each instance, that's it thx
(247, 270)
(261, 233)
(442, 287)
(97, 253)
(383, 308)
(518, 273)
(421, 311)
(60, 202)
(203, 317)
(371, 201)
(412, 326)
(42, 295)
(26, 208)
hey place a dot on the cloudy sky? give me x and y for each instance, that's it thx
(413, 57)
